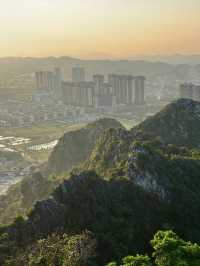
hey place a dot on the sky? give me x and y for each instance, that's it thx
(99, 28)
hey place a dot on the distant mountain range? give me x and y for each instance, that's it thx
(149, 66)
(175, 59)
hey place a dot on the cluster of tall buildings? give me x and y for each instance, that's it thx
(49, 81)
(116, 90)
(127, 89)
(78, 74)
(190, 91)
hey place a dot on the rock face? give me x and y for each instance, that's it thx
(110, 151)
(152, 154)
(75, 147)
(139, 171)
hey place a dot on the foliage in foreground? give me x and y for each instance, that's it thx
(169, 250)
(58, 250)
(81, 250)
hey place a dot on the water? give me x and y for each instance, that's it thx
(9, 143)
(13, 171)
(45, 146)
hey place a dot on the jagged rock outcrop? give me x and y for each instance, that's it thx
(111, 151)
(75, 147)
(151, 154)
(140, 169)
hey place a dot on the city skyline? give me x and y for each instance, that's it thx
(99, 29)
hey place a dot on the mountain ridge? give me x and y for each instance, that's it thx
(133, 184)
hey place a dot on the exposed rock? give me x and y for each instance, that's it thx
(75, 147)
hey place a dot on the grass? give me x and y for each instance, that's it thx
(39, 133)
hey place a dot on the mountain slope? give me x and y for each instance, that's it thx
(132, 184)
(106, 208)
(75, 147)
(178, 124)
(72, 149)
(151, 154)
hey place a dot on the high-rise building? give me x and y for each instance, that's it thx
(124, 89)
(67, 92)
(78, 74)
(130, 89)
(78, 94)
(120, 89)
(113, 80)
(41, 83)
(44, 80)
(58, 81)
(86, 93)
(139, 90)
(105, 97)
(98, 81)
(49, 81)
(123, 86)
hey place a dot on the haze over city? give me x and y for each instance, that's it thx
(100, 132)
(99, 29)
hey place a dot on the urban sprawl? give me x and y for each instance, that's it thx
(81, 100)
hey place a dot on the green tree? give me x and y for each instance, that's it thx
(56, 250)
(170, 250)
(138, 260)
(80, 250)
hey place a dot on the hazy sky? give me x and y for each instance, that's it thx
(99, 28)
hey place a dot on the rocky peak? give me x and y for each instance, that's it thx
(75, 147)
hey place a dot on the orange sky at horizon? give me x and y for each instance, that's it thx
(103, 29)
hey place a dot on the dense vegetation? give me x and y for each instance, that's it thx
(178, 124)
(132, 184)
(112, 210)
(169, 250)
(58, 250)
(22, 196)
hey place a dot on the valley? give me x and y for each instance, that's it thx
(23, 149)
(34, 144)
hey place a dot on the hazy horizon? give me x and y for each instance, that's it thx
(93, 29)
(131, 57)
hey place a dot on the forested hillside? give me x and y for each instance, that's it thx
(133, 184)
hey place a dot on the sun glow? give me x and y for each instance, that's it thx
(114, 28)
